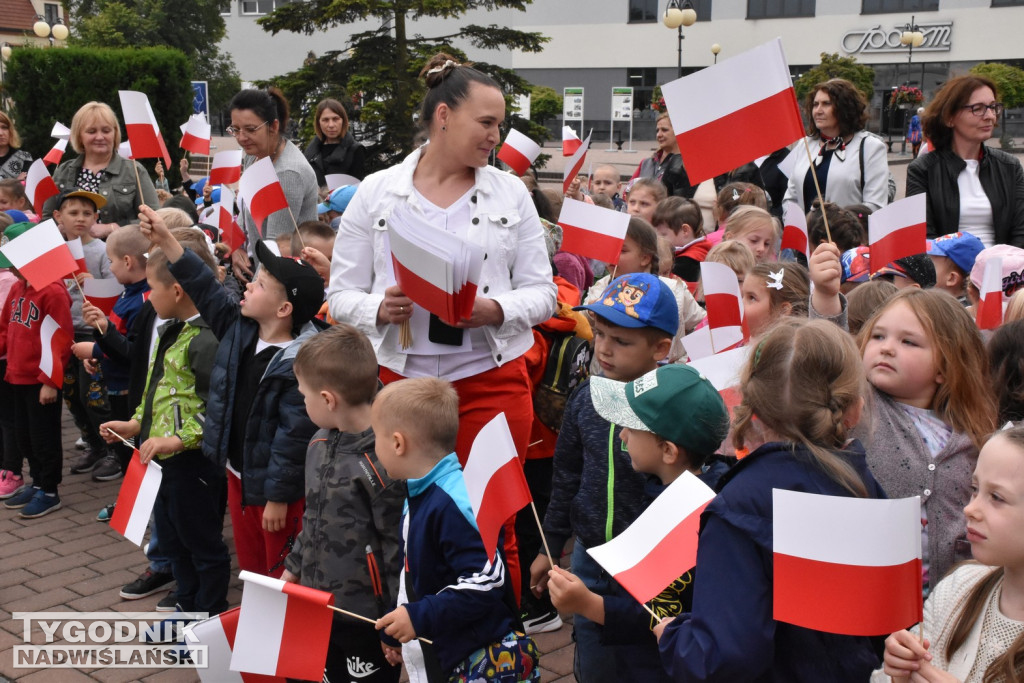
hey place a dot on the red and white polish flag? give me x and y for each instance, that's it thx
(102, 293)
(230, 233)
(55, 350)
(56, 153)
(195, 135)
(283, 629)
(423, 276)
(518, 151)
(847, 565)
(990, 305)
(592, 231)
(261, 192)
(575, 164)
(661, 545)
(136, 499)
(699, 344)
(570, 141)
(721, 297)
(336, 180)
(898, 230)
(78, 253)
(124, 150)
(143, 130)
(39, 186)
(217, 635)
(40, 254)
(226, 168)
(734, 112)
(794, 234)
(495, 481)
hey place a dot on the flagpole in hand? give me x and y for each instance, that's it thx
(301, 241)
(543, 538)
(817, 187)
(85, 298)
(125, 441)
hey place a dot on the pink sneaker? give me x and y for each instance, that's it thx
(9, 483)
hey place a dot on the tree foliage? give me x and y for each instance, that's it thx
(1009, 82)
(377, 75)
(833, 66)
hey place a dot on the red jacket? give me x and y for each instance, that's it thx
(23, 314)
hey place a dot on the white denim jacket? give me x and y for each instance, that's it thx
(516, 271)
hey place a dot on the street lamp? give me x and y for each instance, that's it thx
(912, 37)
(44, 30)
(678, 15)
(5, 54)
(715, 49)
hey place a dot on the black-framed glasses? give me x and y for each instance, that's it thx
(248, 130)
(979, 108)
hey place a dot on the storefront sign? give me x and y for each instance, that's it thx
(882, 40)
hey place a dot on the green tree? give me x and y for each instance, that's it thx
(545, 104)
(833, 66)
(1009, 82)
(377, 76)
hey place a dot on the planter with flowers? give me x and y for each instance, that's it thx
(906, 97)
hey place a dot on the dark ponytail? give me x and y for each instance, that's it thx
(269, 105)
(448, 82)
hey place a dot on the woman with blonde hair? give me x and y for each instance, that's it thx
(14, 161)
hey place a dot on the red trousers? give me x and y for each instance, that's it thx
(481, 397)
(260, 551)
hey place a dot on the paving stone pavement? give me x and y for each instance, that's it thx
(69, 562)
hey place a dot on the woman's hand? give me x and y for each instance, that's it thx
(183, 168)
(485, 312)
(904, 654)
(396, 307)
(240, 266)
(159, 168)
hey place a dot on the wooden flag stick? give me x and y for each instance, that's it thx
(138, 183)
(651, 612)
(301, 241)
(542, 536)
(405, 334)
(821, 199)
(360, 617)
(125, 441)
(85, 298)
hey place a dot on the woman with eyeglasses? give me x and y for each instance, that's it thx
(850, 163)
(970, 187)
(258, 121)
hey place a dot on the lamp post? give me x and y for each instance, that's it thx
(912, 37)
(5, 54)
(678, 15)
(715, 49)
(43, 29)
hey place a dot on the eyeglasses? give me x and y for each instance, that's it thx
(979, 109)
(250, 130)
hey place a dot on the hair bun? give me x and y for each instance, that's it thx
(438, 68)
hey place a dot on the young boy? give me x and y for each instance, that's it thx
(679, 220)
(188, 516)
(256, 422)
(457, 596)
(34, 405)
(673, 420)
(85, 392)
(606, 181)
(349, 540)
(953, 256)
(314, 243)
(595, 492)
(332, 208)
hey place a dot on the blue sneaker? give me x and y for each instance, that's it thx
(42, 503)
(21, 498)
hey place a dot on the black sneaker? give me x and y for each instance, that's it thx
(541, 623)
(149, 582)
(107, 469)
(87, 461)
(169, 603)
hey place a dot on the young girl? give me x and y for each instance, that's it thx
(644, 196)
(755, 227)
(771, 291)
(932, 403)
(12, 196)
(729, 198)
(974, 619)
(804, 384)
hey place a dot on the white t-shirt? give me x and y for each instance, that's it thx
(975, 208)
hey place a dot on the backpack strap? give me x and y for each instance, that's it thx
(861, 156)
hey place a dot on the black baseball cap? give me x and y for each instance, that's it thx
(302, 284)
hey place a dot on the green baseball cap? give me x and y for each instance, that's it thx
(676, 402)
(10, 233)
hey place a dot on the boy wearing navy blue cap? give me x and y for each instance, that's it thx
(596, 493)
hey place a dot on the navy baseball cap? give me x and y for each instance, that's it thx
(638, 300)
(962, 248)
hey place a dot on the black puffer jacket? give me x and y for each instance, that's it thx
(671, 172)
(347, 157)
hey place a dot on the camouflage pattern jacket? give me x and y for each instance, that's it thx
(349, 543)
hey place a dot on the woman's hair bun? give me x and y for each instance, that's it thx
(438, 68)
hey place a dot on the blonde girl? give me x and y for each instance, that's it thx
(756, 228)
(974, 619)
(729, 198)
(644, 196)
(804, 385)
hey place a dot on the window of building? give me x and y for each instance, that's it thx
(778, 9)
(887, 6)
(51, 13)
(650, 11)
(1008, 3)
(643, 82)
(252, 7)
(225, 8)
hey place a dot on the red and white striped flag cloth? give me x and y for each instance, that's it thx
(723, 368)
(661, 545)
(56, 153)
(570, 141)
(78, 253)
(102, 293)
(990, 305)
(283, 629)
(898, 230)
(722, 301)
(733, 112)
(518, 151)
(573, 166)
(40, 254)
(869, 547)
(336, 180)
(495, 481)
(195, 135)
(136, 499)
(39, 186)
(230, 233)
(699, 344)
(794, 234)
(261, 192)
(55, 350)
(592, 231)
(143, 130)
(226, 168)
(217, 635)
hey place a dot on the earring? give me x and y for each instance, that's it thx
(444, 127)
